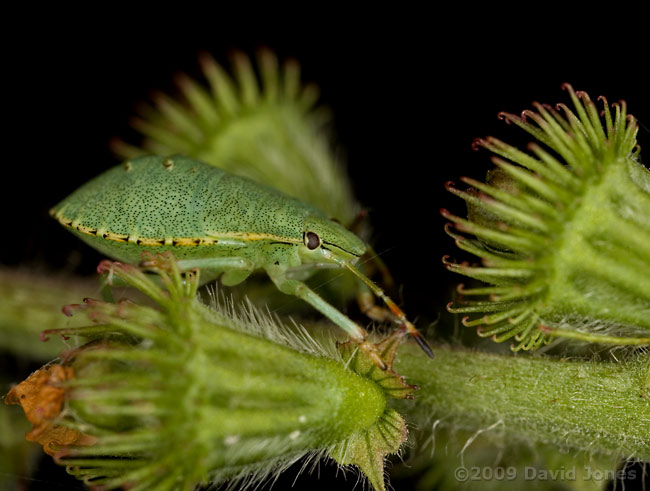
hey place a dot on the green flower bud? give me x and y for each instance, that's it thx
(266, 128)
(563, 232)
(187, 395)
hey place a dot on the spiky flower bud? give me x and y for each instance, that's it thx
(563, 232)
(183, 395)
(267, 129)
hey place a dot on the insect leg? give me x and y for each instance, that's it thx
(235, 269)
(357, 333)
(367, 305)
(224, 263)
(397, 312)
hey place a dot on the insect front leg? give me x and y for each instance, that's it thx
(356, 332)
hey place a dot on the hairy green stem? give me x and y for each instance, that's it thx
(584, 405)
(31, 303)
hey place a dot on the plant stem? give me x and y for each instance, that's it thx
(31, 303)
(585, 405)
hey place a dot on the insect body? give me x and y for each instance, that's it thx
(220, 223)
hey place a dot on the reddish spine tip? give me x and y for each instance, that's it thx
(445, 213)
(504, 116)
(106, 265)
(449, 185)
(527, 113)
(45, 336)
(449, 307)
(563, 107)
(465, 320)
(460, 288)
(566, 86)
(69, 310)
(477, 143)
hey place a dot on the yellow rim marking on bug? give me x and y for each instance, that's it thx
(175, 241)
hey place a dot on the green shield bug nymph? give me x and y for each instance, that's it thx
(220, 223)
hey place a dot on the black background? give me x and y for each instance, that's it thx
(408, 92)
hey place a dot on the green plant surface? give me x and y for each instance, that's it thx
(31, 303)
(594, 406)
(562, 232)
(451, 458)
(170, 398)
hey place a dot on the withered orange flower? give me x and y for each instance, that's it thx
(41, 397)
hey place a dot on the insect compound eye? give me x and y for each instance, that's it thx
(312, 241)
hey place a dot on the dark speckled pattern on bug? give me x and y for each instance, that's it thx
(192, 209)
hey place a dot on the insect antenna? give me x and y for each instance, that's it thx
(405, 324)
